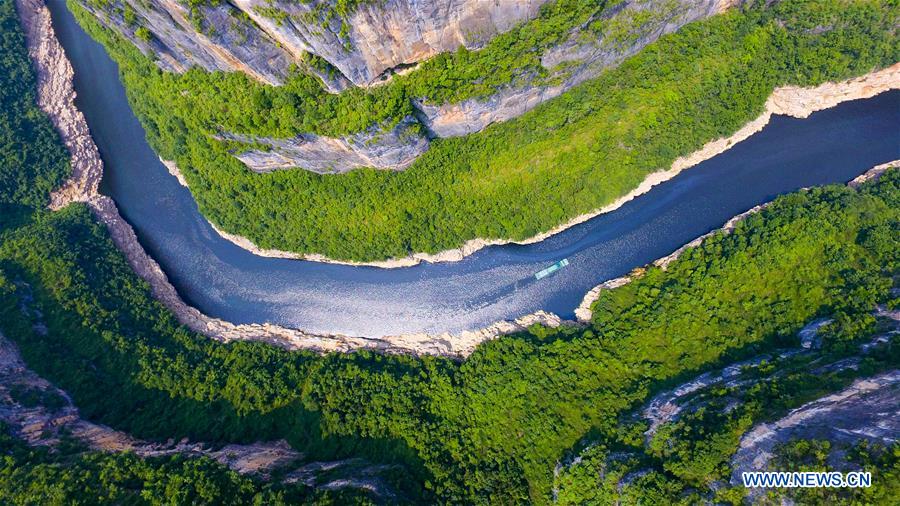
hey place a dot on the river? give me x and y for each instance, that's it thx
(496, 283)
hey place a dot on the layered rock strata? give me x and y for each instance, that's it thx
(263, 37)
(395, 149)
(583, 56)
(212, 37)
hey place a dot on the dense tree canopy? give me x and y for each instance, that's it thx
(32, 160)
(486, 430)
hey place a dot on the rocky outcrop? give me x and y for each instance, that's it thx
(379, 36)
(263, 37)
(213, 37)
(55, 96)
(393, 149)
(624, 30)
(44, 423)
(866, 410)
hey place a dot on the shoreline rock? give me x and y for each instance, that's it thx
(53, 72)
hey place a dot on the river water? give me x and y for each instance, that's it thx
(497, 283)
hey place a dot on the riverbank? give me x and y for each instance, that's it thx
(69, 121)
(793, 101)
(584, 313)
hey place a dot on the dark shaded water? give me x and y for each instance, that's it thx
(496, 283)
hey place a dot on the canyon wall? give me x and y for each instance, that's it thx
(263, 37)
(365, 45)
(394, 148)
(623, 31)
(210, 37)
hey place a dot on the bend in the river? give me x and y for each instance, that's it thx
(496, 283)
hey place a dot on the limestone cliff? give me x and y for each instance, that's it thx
(263, 37)
(213, 37)
(378, 36)
(395, 148)
(614, 35)
(363, 46)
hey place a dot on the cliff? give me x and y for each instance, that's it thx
(55, 94)
(263, 37)
(614, 35)
(395, 148)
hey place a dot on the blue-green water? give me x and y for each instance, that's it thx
(496, 283)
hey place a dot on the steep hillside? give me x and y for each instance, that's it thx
(362, 39)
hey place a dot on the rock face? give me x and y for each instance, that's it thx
(583, 56)
(379, 36)
(263, 37)
(55, 94)
(363, 47)
(393, 149)
(866, 410)
(216, 37)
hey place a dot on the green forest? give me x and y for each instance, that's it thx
(33, 160)
(486, 430)
(74, 475)
(573, 154)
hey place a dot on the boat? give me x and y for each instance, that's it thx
(543, 273)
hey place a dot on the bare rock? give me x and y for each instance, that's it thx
(213, 37)
(263, 37)
(583, 56)
(394, 149)
(381, 36)
(868, 409)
